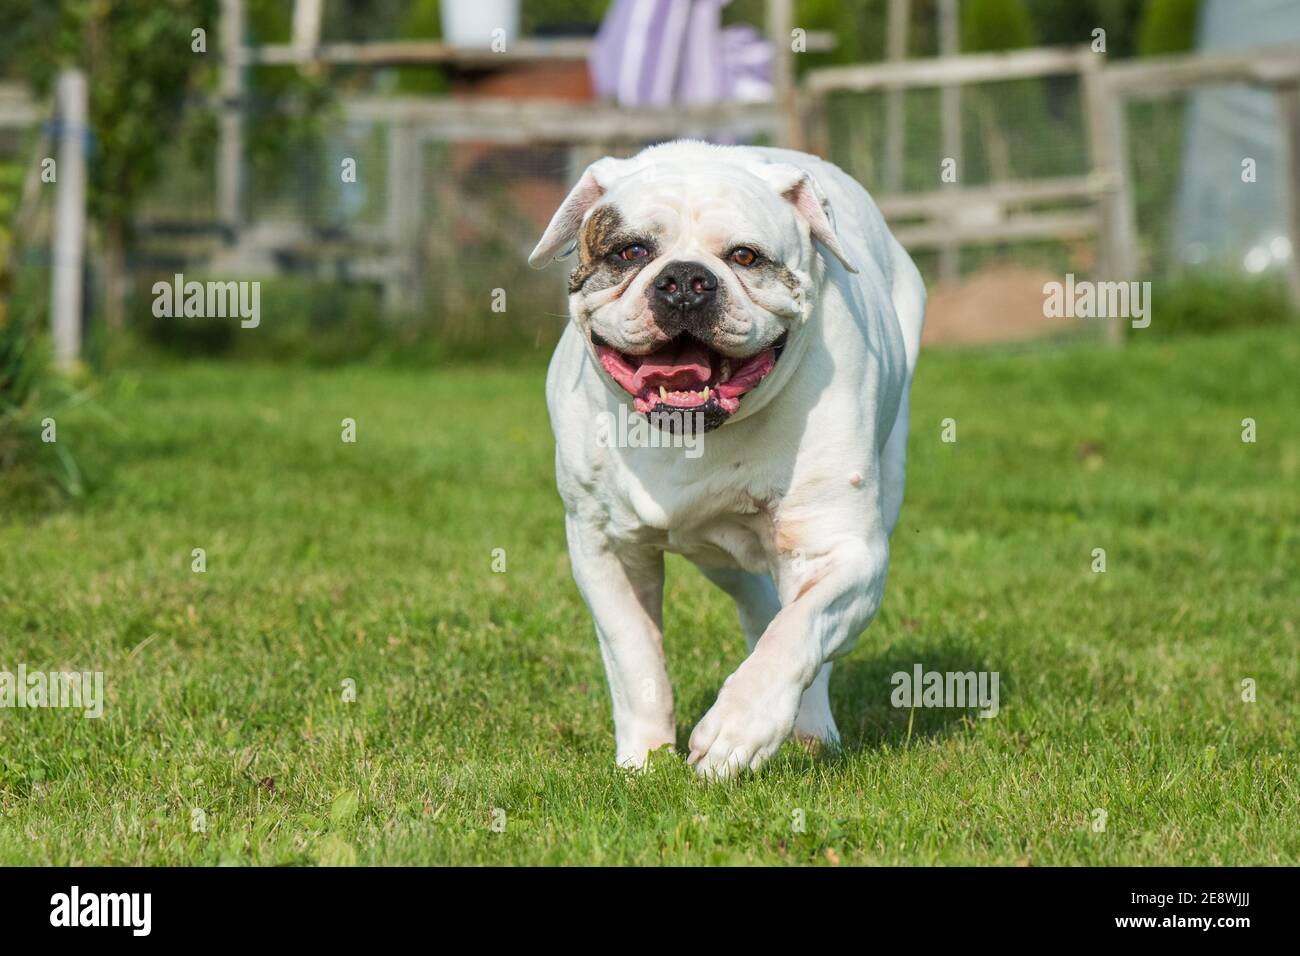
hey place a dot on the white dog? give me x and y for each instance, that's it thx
(700, 297)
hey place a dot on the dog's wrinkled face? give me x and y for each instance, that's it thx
(691, 276)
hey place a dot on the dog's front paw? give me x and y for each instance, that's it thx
(753, 715)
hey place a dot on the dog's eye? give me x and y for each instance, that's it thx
(634, 251)
(744, 256)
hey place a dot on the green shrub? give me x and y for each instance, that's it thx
(299, 319)
(1206, 302)
(32, 394)
(314, 322)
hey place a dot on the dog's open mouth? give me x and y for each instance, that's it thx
(688, 375)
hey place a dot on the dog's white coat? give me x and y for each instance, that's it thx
(790, 508)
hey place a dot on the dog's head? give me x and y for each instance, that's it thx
(696, 265)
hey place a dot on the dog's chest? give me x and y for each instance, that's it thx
(715, 527)
(736, 540)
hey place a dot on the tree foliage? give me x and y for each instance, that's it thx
(1168, 26)
(995, 25)
(142, 73)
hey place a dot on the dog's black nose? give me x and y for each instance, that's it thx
(685, 285)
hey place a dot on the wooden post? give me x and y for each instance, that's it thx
(69, 218)
(780, 21)
(1288, 98)
(401, 283)
(1117, 258)
(950, 114)
(900, 17)
(817, 136)
(230, 150)
(306, 24)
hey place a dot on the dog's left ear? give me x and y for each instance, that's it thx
(810, 204)
(560, 236)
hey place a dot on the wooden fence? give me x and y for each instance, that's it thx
(1097, 205)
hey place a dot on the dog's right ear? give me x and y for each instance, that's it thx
(561, 235)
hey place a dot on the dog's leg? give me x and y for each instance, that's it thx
(908, 296)
(893, 466)
(830, 601)
(757, 604)
(755, 596)
(815, 726)
(624, 590)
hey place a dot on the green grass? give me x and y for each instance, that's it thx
(476, 690)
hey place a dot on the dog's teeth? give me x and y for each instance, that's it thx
(663, 393)
(705, 391)
(726, 370)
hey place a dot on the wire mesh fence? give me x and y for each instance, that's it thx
(429, 221)
(1210, 180)
(1013, 131)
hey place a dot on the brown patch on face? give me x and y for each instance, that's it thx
(773, 271)
(762, 281)
(604, 233)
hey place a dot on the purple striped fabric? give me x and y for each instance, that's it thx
(659, 52)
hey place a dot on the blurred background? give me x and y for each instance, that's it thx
(383, 167)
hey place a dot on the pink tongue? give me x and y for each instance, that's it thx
(682, 368)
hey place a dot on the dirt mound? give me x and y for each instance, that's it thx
(1001, 304)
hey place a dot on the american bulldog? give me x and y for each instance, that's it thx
(757, 295)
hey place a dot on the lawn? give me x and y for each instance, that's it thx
(480, 731)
